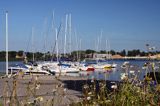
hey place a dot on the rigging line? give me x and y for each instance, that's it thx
(59, 29)
(28, 44)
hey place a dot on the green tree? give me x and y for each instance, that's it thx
(12, 54)
(112, 52)
(89, 51)
(123, 52)
(20, 53)
(102, 51)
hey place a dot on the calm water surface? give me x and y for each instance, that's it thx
(113, 75)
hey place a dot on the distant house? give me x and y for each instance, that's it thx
(89, 55)
(117, 56)
(158, 56)
(19, 57)
(95, 55)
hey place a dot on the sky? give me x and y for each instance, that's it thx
(123, 24)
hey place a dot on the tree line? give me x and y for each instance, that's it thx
(74, 55)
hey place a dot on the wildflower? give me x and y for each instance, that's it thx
(28, 102)
(147, 78)
(143, 93)
(94, 103)
(123, 76)
(85, 87)
(62, 85)
(89, 93)
(40, 98)
(114, 86)
(138, 89)
(88, 98)
(64, 89)
(36, 78)
(158, 88)
(57, 86)
(22, 103)
(108, 101)
(92, 80)
(8, 101)
(132, 71)
(54, 90)
(37, 86)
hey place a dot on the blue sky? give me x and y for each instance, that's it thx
(126, 24)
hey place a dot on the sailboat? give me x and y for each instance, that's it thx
(63, 68)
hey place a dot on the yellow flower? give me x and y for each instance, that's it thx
(158, 88)
(40, 98)
(37, 86)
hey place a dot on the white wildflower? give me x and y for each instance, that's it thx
(57, 86)
(36, 78)
(37, 86)
(8, 101)
(28, 102)
(64, 89)
(54, 90)
(88, 98)
(114, 86)
(40, 98)
(132, 71)
(89, 93)
(123, 76)
(85, 87)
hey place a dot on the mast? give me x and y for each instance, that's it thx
(53, 29)
(56, 44)
(100, 40)
(76, 44)
(80, 48)
(7, 43)
(65, 35)
(70, 31)
(107, 50)
(33, 44)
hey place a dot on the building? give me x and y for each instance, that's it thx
(104, 56)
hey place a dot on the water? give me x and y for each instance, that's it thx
(3, 65)
(113, 75)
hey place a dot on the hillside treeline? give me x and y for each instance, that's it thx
(75, 55)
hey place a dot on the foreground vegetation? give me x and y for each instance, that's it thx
(131, 92)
